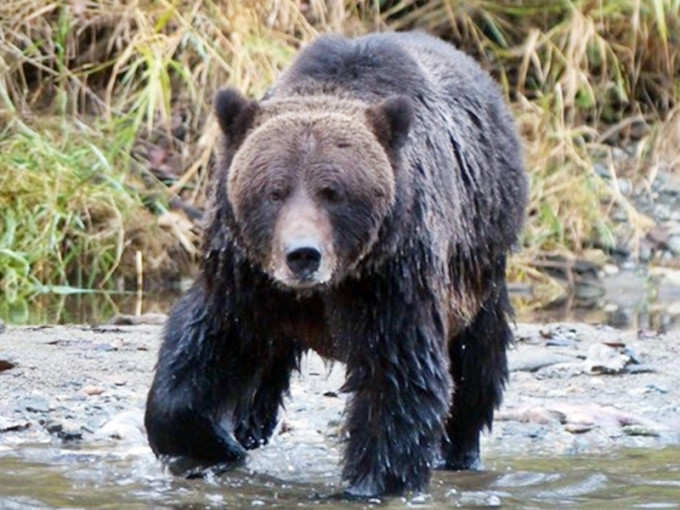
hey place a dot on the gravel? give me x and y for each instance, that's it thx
(574, 388)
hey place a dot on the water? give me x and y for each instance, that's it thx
(306, 475)
(44, 477)
(628, 301)
(84, 308)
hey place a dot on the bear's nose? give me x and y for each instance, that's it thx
(303, 260)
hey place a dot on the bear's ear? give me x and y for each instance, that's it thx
(235, 113)
(391, 120)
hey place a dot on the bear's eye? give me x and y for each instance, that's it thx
(330, 194)
(277, 194)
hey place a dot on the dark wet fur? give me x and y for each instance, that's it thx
(417, 399)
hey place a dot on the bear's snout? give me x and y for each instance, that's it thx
(303, 254)
(303, 258)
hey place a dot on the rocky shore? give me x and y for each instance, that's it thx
(573, 389)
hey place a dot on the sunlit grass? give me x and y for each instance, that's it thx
(65, 206)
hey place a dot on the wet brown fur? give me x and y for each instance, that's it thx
(401, 149)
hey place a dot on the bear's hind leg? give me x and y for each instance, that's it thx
(479, 371)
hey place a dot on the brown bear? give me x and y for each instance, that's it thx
(363, 209)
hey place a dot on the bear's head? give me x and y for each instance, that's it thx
(311, 180)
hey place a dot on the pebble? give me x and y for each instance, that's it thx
(66, 430)
(478, 499)
(125, 426)
(610, 308)
(534, 361)
(93, 390)
(673, 309)
(618, 154)
(10, 425)
(588, 290)
(6, 364)
(602, 170)
(611, 269)
(625, 186)
(640, 430)
(662, 212)
(619, 215)
(579, 428)
(561, 371)
(34, 404)
(674, 244)
(603, 359)
(644, 253)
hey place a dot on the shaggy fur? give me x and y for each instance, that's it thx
(396, 157)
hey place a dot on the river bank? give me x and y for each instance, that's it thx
(573, 389)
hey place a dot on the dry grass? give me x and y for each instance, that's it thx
(106, 111)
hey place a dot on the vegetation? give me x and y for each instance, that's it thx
(105, 115)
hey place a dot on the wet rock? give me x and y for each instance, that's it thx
(640, 369)
(93, 390)
(65, 430)
(611, 269)
(602, 170)
(34, 404)
(560, 342)
(10, 425)
(94, 423)
(607, 359)
(619, 215)
(535, 431)
(106, 347)
(122, 319)
(6, 364)
(645, 251)
(476, 499)
(534, 361)
(602, 416)
(531, 414)
(579, 428)
(674, 244)
(588, 290)
(126, 426)
(640, 430)
(662, 212)
(625, 186)
(2, 326)
(558, 331)
(560, 370)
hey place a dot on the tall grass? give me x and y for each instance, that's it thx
(105, 112)
(65, 206)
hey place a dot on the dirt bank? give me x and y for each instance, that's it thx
(573, 389)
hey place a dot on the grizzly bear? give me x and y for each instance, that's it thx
(363, 209)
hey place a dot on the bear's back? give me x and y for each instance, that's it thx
(462, 161)
(379, 65)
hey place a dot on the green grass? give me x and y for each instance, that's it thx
(65, 206)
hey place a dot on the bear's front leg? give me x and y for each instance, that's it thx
(397, 372)
(214, 394)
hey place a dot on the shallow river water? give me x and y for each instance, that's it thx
(45, 477)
